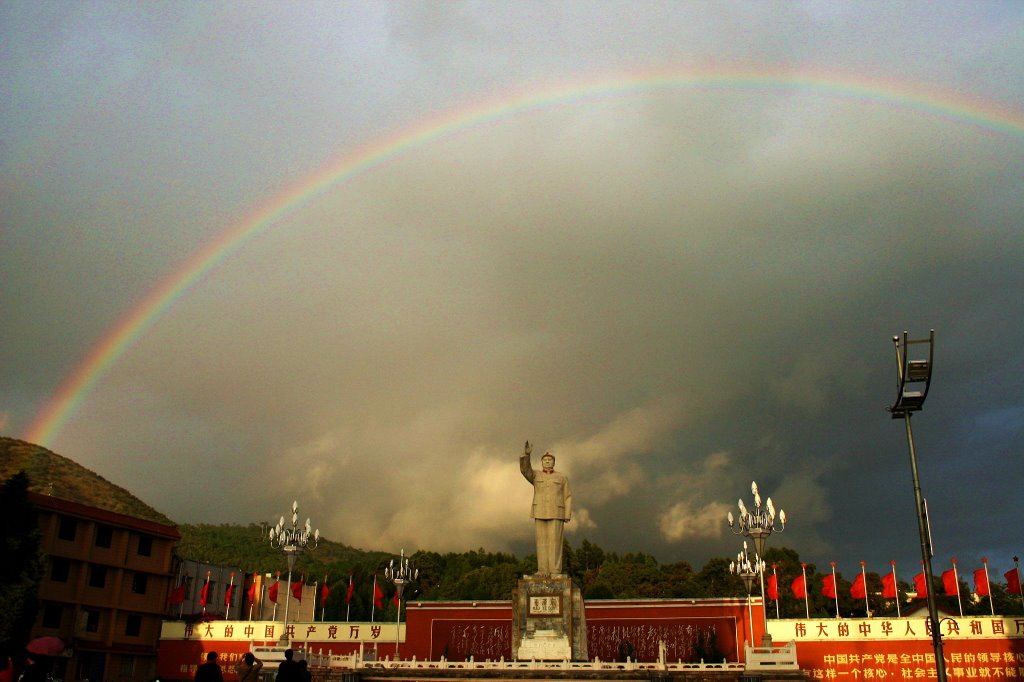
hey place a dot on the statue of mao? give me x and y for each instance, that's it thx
(552, 508)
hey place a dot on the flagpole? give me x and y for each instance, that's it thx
(348, 598)
(1016, 568)
(807, 603)
(896, 587)
(278, 580)
(323, 602)
(867, 605)
(373, 602)
(221, 580)
(835, 588)
(776, 574)
(956, 578)
(316, 591)
(249, 593)
(988, 586)
(227, 597)
(195, 596)
(206, 591)
(182, 579)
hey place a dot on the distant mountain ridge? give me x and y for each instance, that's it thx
(56, 475)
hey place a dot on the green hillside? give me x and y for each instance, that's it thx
(53, 474)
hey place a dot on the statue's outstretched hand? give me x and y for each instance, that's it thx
(528, 448)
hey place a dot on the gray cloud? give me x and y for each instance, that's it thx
(676, 289)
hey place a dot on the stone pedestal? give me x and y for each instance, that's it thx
(548, 623)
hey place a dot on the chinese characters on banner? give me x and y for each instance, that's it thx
(246, 631)
(901, 648)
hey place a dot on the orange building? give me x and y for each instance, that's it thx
(104, 589)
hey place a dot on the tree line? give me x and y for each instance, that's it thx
(480, 575)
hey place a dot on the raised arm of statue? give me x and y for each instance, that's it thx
(525, 466)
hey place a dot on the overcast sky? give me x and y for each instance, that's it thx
(680, 270)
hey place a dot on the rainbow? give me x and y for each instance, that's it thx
(50, 420)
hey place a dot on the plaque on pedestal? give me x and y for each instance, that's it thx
(548, 623)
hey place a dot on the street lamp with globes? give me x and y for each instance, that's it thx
(747, 570)
(757, 524)
(401, 575)
(292, 540)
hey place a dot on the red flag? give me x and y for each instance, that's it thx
(297, 590)
(204, 593)
(773, 587)
(799, 587)
(272, 592)
(348, 595)
(395, 600)
(921, 585)
(252, 591)
(828, 586)
(227, 595)
(324, 592)
(889, 586)
(378, 595)
(1012, 581)
(177, 595)
(981, 582)
(949, 583)
(857, 589)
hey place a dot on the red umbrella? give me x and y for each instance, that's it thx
(45, 646)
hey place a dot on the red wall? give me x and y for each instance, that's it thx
(483, 630)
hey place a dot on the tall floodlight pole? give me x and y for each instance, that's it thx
(1016, 569)
(748, 570)
(757, 524)
(914, 377)
(292, 540)
(401, 575)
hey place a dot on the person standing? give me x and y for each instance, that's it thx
(209, 671)
(552, 508)
(288, 670)
(248, 669)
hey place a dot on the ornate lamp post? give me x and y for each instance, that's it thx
(757, 524)
(913, 380)
(292, 540)
(748, 570)
(400, 575)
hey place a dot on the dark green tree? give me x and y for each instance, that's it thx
(22, 567)
(716, 580)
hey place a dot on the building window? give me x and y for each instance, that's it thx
(66, 529)
(133, 625)
(92, 620)
(52, 615)
(139, 581)
(97, 576)
(104, 536)
(60, 569)
(145, 545)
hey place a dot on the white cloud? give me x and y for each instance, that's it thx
(682, 521)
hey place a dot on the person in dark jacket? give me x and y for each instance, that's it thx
(288, 671)
(209, 671)
(248, 669)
